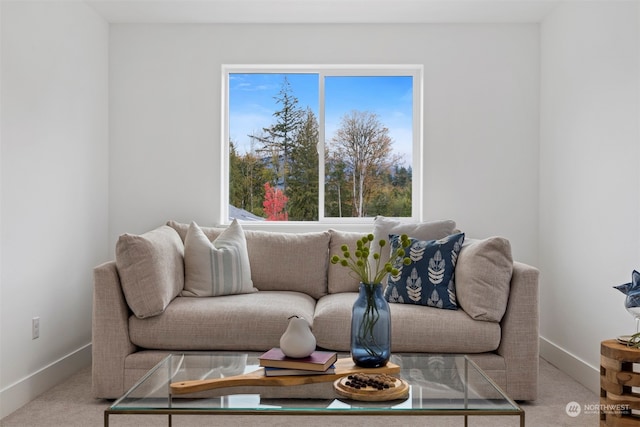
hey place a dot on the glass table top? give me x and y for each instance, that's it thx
(443, 384)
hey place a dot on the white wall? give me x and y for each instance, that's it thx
(487, 159)
(481, 115)
(589, 179)
(54, 165)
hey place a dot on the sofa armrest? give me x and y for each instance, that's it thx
(519, 344)
(110, 328)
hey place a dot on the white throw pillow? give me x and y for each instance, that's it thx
(216, 268)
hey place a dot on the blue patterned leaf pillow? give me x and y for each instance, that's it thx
(429, 278)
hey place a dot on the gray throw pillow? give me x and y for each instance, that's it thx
(151, 269)
(483, 278)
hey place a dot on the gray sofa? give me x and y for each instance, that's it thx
(140, 315)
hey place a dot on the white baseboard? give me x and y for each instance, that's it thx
(22, 392)
(576, 368)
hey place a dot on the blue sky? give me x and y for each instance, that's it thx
(252, 103)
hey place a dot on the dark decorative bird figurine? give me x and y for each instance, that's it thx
(632, 291)
(632, 304)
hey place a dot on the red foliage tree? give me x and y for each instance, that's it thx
(274, 204)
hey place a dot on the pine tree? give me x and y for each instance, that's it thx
(236, 179)
(303, 177)
(279, 140)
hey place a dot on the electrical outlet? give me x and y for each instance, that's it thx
(35, 328)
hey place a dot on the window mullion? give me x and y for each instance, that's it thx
(321, 146)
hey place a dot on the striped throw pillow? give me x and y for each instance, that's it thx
(216, 268)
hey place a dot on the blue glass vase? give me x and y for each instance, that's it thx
(370, 328)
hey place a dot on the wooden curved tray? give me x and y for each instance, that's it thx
(257, 378)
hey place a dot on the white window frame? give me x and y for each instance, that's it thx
(415, 71)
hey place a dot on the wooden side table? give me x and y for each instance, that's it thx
(616, 379)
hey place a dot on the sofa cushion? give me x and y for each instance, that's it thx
(483, 278)
(276, 261)
(181, 228)
(383, 227)
(289, 261)
(430, 277)
(216, 268)
(414, 328)
(342, 279)
(151, 269)
(253, 321)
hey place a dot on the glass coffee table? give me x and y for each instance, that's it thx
(438, 385)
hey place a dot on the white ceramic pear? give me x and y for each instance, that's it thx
(297, 341)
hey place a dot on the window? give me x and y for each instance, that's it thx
(322, 144)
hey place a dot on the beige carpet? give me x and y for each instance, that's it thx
(70, 404)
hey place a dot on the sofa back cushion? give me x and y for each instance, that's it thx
(289, 261)
(483, 278)
(282, 261)
(342, 279)
(151, 269)
(182, 229)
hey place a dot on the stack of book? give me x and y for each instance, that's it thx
(275, 363)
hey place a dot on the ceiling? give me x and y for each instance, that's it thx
(323, 11)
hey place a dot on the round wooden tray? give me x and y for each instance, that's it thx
(398, 388)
